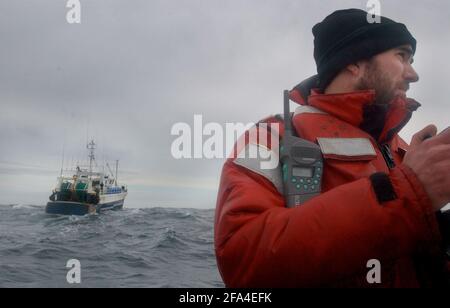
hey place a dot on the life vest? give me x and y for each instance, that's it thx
(371, 206)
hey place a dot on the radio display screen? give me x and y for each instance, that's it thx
(302, 172)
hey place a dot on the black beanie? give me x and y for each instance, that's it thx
(345, 37)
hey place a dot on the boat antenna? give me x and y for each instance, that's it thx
(91, 147)
(87, 130)
(117, 168)
(109, 168)
(63, 154)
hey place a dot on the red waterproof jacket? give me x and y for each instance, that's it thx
(371, 206)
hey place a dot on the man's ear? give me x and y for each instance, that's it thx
(354, 69)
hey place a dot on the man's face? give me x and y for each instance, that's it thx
(389, 74)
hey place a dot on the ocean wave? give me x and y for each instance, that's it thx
(145, 247)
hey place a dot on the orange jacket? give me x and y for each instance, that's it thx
(366, 210)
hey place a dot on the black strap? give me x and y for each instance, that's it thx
(383, 188)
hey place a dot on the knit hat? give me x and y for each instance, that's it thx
(345, 37)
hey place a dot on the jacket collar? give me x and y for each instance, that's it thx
(358, 109)
(348, 107)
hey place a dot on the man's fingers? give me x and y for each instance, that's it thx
(442, 138)
(426, 133)
(440, 152)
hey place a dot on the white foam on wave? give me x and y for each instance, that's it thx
(25, 206)
(21, 206)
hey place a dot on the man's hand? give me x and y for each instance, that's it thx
(429, 158)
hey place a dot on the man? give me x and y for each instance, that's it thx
(379, 198)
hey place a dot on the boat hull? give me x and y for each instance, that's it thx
(80, 209)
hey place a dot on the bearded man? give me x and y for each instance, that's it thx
(380, 198)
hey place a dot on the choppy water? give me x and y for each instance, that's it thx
(153, 247)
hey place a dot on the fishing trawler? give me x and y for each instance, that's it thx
(87, 191)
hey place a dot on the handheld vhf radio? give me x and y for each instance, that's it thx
(302, 164)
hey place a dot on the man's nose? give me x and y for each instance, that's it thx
(410, 74)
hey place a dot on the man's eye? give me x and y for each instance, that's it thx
(406, 57)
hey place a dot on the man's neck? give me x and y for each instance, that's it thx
(339, 87)
(342, 83)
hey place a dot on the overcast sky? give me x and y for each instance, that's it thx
(132, 69)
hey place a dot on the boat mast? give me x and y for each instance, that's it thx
(63, 154)
(117, 168)
(91, 147)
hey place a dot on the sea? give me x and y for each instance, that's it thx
(131, 248)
